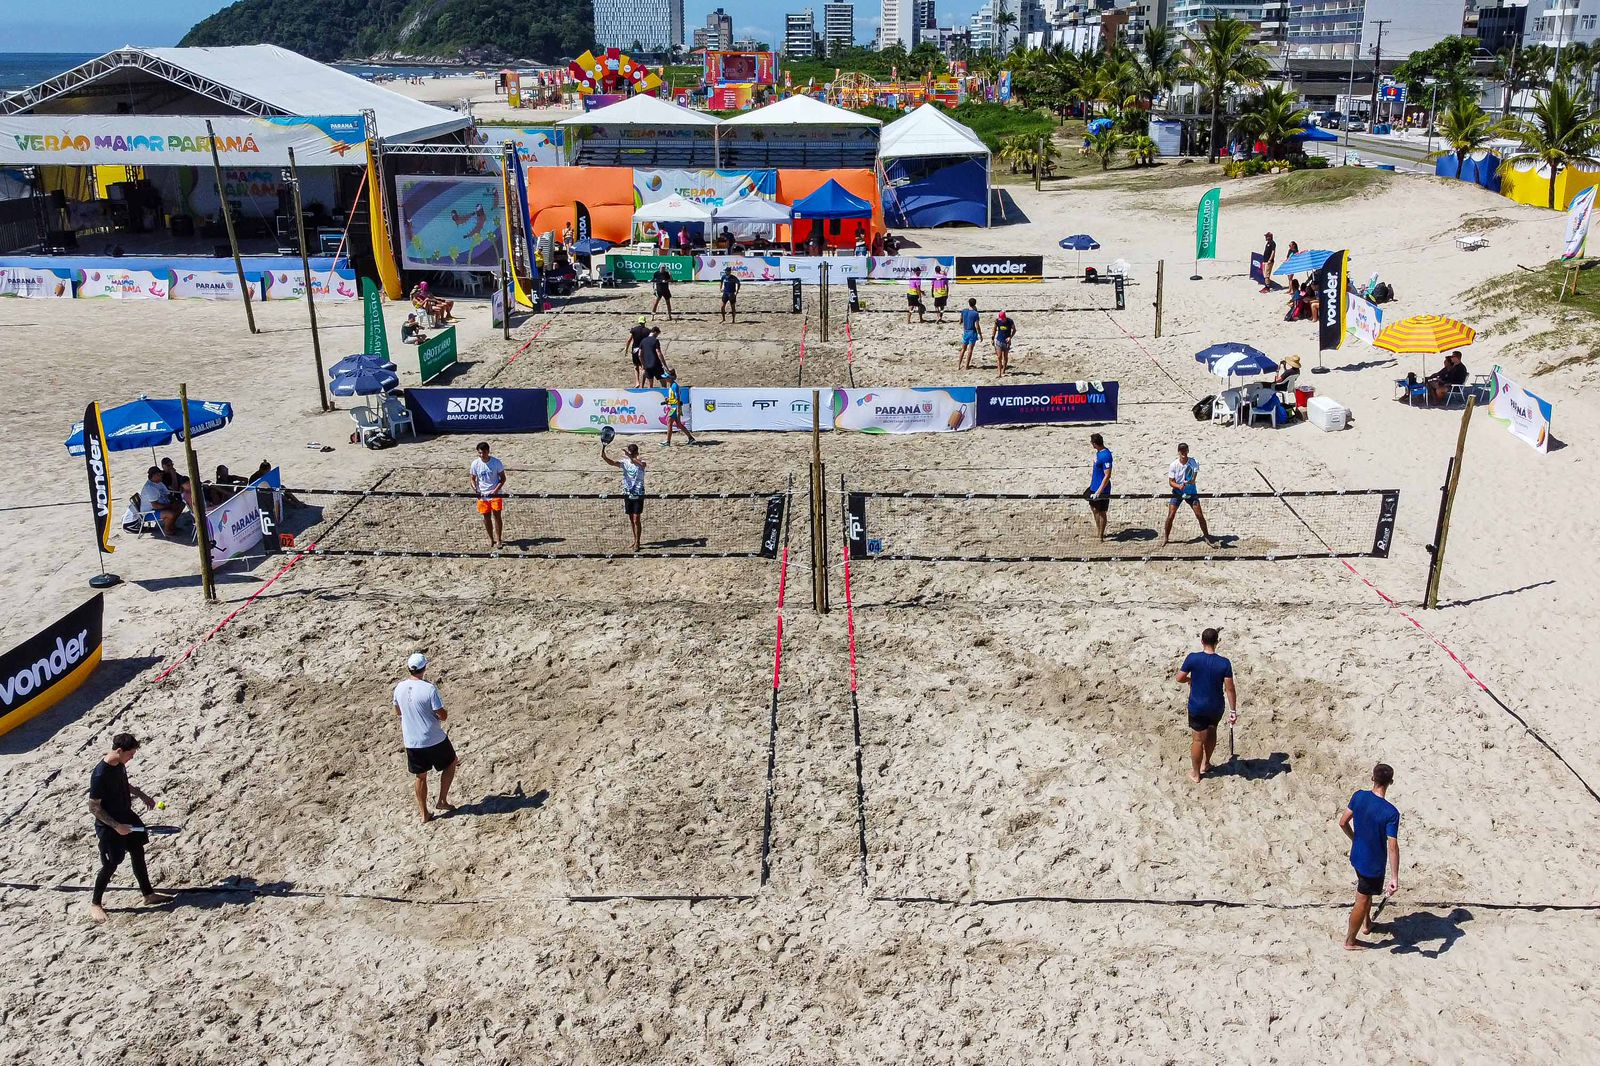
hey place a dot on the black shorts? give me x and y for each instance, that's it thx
(436, 757)
(633, 505)
(663, 292)
(113, 846)
(1202, 722)
(635, 353)
(1369, 886)
(654, 370)
(729, 298)
(913, 300)
(1100, 503)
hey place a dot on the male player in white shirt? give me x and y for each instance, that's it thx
(422, 717)
(1181, 476)
(489, 481)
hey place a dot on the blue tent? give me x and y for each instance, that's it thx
(1314, 133)
(831, 201)
(935, 171)
(147, 423)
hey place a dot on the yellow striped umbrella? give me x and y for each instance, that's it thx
(1425, 335)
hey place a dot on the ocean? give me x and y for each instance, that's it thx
(18, 70)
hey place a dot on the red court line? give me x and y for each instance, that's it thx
(162, 676)
(803, 326)
(849, 343)
(1441, 645)
(536, 335)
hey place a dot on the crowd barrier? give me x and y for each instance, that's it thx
(147, 278)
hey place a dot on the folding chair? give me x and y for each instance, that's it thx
(1412, 392)
(367, 422)
(395, 415)
(1459, 392)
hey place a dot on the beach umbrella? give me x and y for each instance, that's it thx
(1424, 335)
(352, 363)
(1228, 360)
(1080, 243)
(147, 423)
(590, 247)
(1303, 263)
(366, 382)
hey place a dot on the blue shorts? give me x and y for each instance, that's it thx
(1187, 494)
(969, 337)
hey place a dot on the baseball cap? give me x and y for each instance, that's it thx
(418, 661)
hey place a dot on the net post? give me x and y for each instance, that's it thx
(1436, 568)
(197, 498)
(1161, 278)
(819, 560)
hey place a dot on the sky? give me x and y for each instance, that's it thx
(83, 25)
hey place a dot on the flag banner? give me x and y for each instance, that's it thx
(1332, 282)
(1579, 215)
(181, 140)
(1527, 416)
(1205, 225)
(94, 457)
(44, 668)
(1258, 269)
(1366, 318)
(375, 339)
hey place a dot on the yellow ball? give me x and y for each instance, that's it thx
(161, 805)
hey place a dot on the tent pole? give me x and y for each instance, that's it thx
(227, 222)
(305, 265)
(197, 497)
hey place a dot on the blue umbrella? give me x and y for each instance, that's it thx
(1228, 360)
(365, 382)
(1303, 263)
(590, 246)
(147, 423)
(1080, 243)
(365, 361)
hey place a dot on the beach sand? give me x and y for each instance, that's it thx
(1040, 881)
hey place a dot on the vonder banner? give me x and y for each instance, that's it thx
(42, 670)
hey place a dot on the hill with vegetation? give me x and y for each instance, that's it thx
(467, 31)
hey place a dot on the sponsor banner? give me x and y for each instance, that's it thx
(709, 188)
(1332, 283)
(1258, 269)
(124, 284)
(213, 285)
(776, 268)
(234, 527)
(1205, 225)
(536, 146)
(447, 410)
(374, 337)
(856, 507)
(31, 284)
(899, 267)
(450, 223)
(999, 268)
(37, 673)
(437, 354)
(1579, 216)
(337, 284)
(775, 410)
(1081, 401)
(1526, 415)
(95, 452)
(181, 140)
(925, 410)
(497, 306)
(1365, 318)
(644, 267)
(624, 410)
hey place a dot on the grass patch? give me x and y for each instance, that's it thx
(1574, 323)
(1318, 186)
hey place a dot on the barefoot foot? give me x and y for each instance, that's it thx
(97, 913)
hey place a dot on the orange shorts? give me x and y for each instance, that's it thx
(494, 504)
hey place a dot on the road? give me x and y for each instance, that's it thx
(1403, 154)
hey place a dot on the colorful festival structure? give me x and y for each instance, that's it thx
(611, 73)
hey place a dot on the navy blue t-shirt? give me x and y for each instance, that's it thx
(1376, 820)
(1102, 469)
(1206, 672)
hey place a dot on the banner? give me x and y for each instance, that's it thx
(583, 226)
(774, 410)
(43, 669)
(899, 267)
(644, 267)
(1579, 215)
(1205, 225)
(447, 410)
(374, 338)
(624, 410)
(778, 268)
(31, 284)
(1258, 269)
(234, 527)
(437, 354)
(94, 457)
(338, 284)
(923, 410)
(449, 223)
(998, 268)
(1332, 286)
(1082, 401)
(124, 284)
(536, 146)
(1366, 319)
(1527, 416)
(214, 285)
(709, 188)
(176, 141)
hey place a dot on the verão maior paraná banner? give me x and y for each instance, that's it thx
(182, 140)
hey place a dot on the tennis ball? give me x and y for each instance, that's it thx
(161, 805)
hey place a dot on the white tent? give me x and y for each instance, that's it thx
(801, 111)
(754, 211)
(672, 209)
(926, 132)
(642, 112)
(937, 170)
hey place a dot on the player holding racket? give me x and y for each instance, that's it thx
(633, 469)
(117, 829)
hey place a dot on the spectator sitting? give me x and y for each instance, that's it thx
(155, 496)
(176, 482)
(441, 309)
(1288, 374)
(222, 486)
(262, 471)
(411, 330)
(1299, 304)
(1454, 372)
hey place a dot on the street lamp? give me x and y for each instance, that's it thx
(1433, 111)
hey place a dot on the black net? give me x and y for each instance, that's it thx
(1001, 527)
(694, 300)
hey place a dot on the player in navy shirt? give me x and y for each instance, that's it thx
(1210, 680)
(1373, 825)
(1099, 494)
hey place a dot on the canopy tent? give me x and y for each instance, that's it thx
(753, 211)
(831, 201)
(673, 209)
(643, 112)
(645, 131)
(935, 171)
(1314, 133)
(799, 132)
(800, 110)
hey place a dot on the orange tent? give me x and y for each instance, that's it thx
(798, 184)
(554, 192)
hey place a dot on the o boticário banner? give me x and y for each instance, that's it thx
(1332, 284)
(922, 410)
(899, 267)
(234, 527)
(1366, 318)
(31, 284)
(1205, 225)
(43, 669)
(711, 188)
(437, 354)
(644, 267)
(181, 140)
(374, 338)
(624, 410)
(214, 285)
(1527, 416)
(336, 284)
(450, 223)
(536, 146)
(772, 410)
(1579, 216)
(124, 284)
(779, 268)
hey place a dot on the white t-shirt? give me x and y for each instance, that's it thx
(487, 475)
(417, 700)
(1184, 473)
(632, 478)
(153, 495)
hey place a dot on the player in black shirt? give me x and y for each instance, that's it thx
(119, 831)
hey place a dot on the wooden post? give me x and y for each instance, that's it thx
(1161, 278)
(506, 298)
(1431, 599)
(227, 222)
(819, 485)
(311, 298)
(197, 495)
(1038, 164)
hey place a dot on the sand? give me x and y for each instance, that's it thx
(1039, 882)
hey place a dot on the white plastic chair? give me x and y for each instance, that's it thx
(1225, 409)
(367, 422)
(396, 414)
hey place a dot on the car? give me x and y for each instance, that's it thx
(1357, 125)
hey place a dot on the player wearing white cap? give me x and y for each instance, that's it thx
(422, 717)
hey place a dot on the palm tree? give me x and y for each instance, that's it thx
(1273, 117)
(1520, 69)
(1105, 145)
(1220, 61)
(1159, 60)
(1563, 132)
(1003, 20)
(1143, 151)
(1466, 128)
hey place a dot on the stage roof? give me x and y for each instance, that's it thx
(927, 132)
(641, 112)
(261, 79)
(801, 111)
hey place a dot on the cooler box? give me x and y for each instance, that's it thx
(1326, 414)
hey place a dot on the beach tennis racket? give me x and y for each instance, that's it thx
(154, 830)
(607, 434)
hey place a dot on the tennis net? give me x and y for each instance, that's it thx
(1020, 527)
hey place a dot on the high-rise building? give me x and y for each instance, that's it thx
(839, 26)
(1188, 16)
(1559, 23)
(980, 29)
(895, 23)
(621, 23)
(923, 20)
(800, 34)
(1501, 28)
(1349, 29)
(675, 23)
(718, 33)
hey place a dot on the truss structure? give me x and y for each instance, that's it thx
(25, 100)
